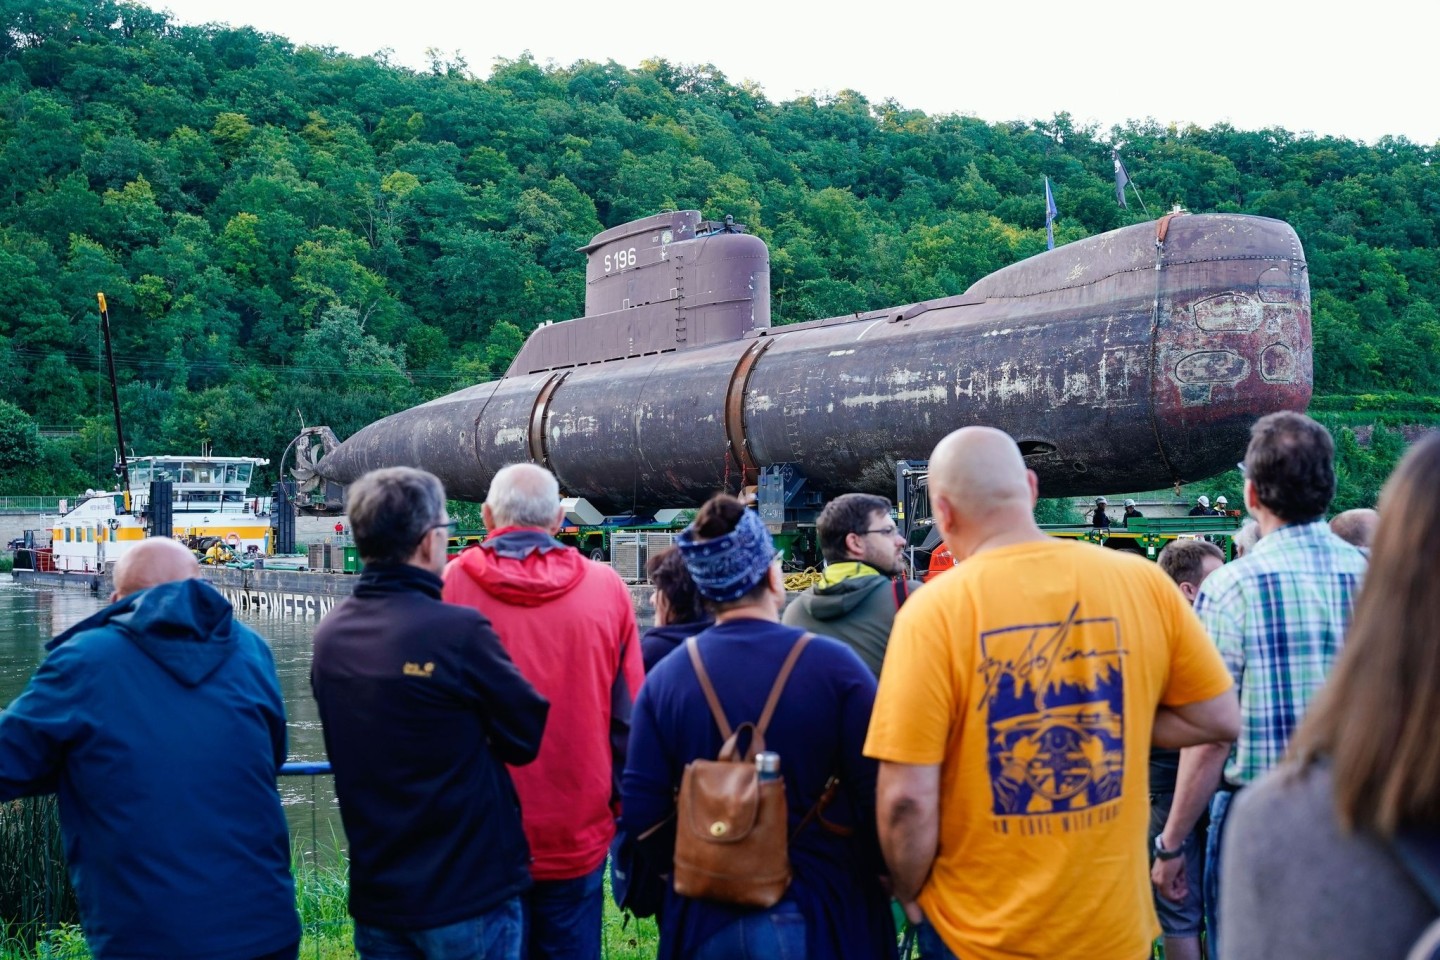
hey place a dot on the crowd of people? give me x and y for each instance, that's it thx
(1052, 750)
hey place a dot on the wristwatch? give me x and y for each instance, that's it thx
(1162, 854)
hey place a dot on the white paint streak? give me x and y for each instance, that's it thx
(509, 435)
(935, 394)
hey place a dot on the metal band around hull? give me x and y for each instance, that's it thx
(538, 448)
(735, 408)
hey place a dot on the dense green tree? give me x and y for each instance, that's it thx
(295, 234)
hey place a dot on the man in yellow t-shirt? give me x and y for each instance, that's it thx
(1021, 694)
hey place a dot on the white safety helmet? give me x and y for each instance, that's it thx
(1204, 501)
(1101, 500)
(1129, 503)
(1220, 501)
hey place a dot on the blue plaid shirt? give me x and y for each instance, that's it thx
(1279, 616)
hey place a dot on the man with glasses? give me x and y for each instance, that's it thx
(422, 710)
(864, 580)
(1278, 616)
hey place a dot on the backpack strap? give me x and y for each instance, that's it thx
(779, 686)
(718, 712)
(901, 588)
(757, 729)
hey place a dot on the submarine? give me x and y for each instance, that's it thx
(1132, 360)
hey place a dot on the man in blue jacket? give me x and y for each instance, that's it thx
(160, 724)
(422, 709)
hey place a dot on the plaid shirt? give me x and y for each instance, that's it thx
(1279, 616)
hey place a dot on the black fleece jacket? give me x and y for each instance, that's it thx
(422, 709)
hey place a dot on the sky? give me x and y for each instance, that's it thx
(1360, 72)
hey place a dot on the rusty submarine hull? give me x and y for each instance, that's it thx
(1131, 360)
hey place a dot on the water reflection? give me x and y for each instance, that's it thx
(30, 617)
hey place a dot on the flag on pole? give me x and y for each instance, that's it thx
(1121, 179)
(1051, 215)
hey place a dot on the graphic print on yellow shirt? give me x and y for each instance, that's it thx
(1053, 696)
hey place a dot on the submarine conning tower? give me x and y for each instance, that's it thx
(655, 285)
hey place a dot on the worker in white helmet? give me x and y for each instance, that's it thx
(1220, 508)
(1130, 511)
(1202, 507)
(1100, 518)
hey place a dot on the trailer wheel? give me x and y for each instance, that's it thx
(597, 554)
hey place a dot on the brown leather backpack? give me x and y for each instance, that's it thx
(732, 829)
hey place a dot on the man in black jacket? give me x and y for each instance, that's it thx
(422, 710)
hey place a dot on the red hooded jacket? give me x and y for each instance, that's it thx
(569, 625)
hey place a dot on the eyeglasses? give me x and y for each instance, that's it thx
(448, 526)
(889, 531)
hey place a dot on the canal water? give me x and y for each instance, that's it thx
(29, 617)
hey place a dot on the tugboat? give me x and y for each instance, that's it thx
(199, 500)
(208, 509)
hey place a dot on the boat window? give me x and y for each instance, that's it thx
(199, 472)
(140, 475)
(242, 474)
(230, 472)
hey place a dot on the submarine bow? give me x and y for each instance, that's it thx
(1131, 360)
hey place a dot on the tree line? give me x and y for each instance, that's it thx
(291, 234)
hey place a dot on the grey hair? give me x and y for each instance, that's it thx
(392, 510)
(1246, 537)
(524, 495)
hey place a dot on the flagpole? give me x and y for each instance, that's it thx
(1131, 185)
(1051, 213)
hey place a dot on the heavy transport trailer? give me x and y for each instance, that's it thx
(1145, 536)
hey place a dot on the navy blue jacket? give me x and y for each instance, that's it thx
(422, 709)
(159, 722)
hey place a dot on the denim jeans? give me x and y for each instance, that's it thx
(1219, 810)
(562, 918)
(494, 935)
(774, 934)
(931, 946)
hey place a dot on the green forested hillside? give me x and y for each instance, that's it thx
(289, 233)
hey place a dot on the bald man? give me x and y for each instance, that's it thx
(159, 723)
(150, 563)
(1356, 527)
(1022, 692)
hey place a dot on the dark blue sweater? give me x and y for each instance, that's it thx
(659, 642)
(422, 709)
(818, 729)
(159, 722)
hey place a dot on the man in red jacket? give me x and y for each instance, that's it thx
(569, 625)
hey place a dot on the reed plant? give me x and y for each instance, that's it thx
(35, 892)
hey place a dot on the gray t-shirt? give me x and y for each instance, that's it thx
(1293, 884)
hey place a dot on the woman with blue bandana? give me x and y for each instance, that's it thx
(835, 906)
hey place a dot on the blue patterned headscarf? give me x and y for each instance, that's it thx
(730, 566)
